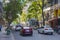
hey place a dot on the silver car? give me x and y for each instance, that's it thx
(45, 29)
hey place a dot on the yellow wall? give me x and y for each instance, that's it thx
(58, 12)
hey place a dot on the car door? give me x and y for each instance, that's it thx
(41, 29)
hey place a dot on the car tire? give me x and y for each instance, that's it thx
(20, 33)
(43, 32)
(31, 34)
(38, 32)
(51, 33)
(58, 31)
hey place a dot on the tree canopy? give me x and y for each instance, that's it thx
(13, 8)
(36, 9)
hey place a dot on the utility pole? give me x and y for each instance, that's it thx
(43, 12)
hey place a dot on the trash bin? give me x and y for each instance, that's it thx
(8, 31)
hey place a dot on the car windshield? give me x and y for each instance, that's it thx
(47, 26)
(26, 27)
(18, 25)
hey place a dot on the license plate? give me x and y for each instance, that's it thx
(27, 30)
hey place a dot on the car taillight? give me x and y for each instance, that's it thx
(46, 29)
(30, 28)
(23, 30)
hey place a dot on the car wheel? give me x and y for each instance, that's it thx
(58, 31)
(42, 32)
(38, 32)
(20, 33)
(31, 34)
(51, 33)
(15, 29)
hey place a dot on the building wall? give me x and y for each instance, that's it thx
(50, 3)
(50, 9)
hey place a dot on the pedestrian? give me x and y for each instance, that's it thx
(37, 23)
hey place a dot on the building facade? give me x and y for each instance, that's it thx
(54, 14)
(49, 9)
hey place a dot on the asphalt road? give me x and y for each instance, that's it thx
(36, 36)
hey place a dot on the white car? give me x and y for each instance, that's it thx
(45, 29)
(18, 27)
(13, 27)
(58, 30)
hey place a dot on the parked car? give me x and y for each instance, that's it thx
(18, 27)
(13, 27)
(58, 29)
(26, 31)
(35, 28)
(45, 29)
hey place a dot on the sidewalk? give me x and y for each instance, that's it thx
(3, 35)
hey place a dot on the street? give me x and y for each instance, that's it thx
(16, 36)
(36, 36)
(31, 17)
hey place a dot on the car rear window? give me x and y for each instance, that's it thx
(47, 26)
(26, 27)
(18, 26)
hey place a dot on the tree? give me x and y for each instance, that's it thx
(13, 8)
(23, 17)
(37, 8)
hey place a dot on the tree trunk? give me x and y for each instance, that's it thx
(43, 12)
